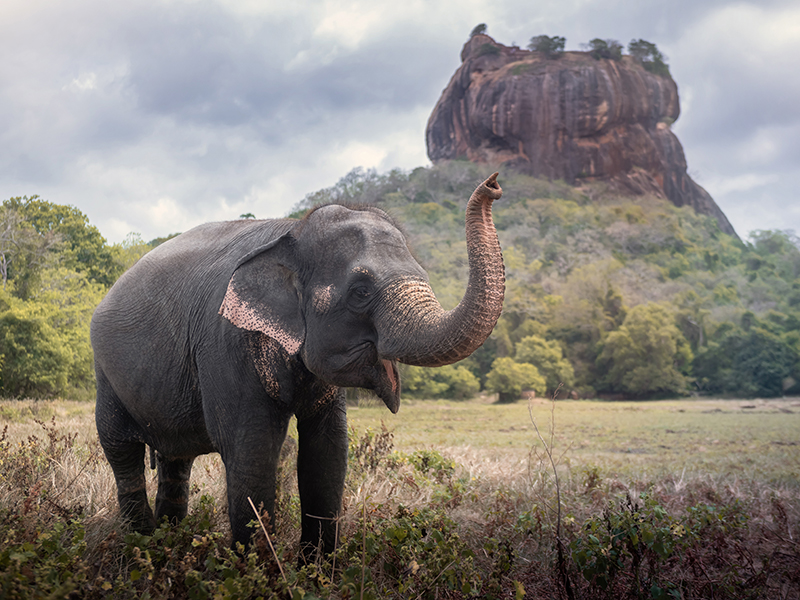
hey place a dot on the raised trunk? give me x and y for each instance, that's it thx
(416, 330)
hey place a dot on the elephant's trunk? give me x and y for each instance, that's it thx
(416, 330)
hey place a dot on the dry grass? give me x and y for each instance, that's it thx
(686, 453)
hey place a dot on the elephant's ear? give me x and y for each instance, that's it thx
(262, 296)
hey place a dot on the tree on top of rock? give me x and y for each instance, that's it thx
(479, 29)
(604, 49)
(551, 47)
(649, 56)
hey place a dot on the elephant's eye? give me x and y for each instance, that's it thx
(361, 291)
(360, 295)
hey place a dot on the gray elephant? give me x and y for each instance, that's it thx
(213, 340)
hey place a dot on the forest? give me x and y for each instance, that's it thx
(607, 295)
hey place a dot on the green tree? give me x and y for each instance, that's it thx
(44, 340)
(509, 378)
(649, 56)
(647, 355)
(551, 47)
(748, 362)
(85, 250)
(548, 358)
(479, 29)
(23, 252)
(451, 381)
(610, 49)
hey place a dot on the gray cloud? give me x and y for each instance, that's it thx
(156, 116)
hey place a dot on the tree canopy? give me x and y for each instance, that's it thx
(551, 47)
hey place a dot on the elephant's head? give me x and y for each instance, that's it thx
(342, 291)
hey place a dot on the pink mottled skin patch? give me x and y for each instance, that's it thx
(244, 316)
(322, 298)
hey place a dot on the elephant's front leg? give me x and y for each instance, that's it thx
(321, 469)
(251, 469)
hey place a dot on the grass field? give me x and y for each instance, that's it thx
(720, 513)
(726, 438)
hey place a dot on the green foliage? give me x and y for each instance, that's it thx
(453, 382)
(749, 361)
(420, 549)
(647, 355)
(649, 56)
(551, 47)
(610, 49)
(548, 358)
(23, 252)
(629, 549)
(431, 461)
(509, 378)
(488, 49)
(578, 260)
(479, 29)
(84, 250)
(130, 251)
(44, 341)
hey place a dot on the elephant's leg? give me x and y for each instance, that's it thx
(321, 469)
(251, 471)
(125, 453)
(127, 462)
(172, 499)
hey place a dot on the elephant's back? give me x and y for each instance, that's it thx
(187, 268)
(146, 322)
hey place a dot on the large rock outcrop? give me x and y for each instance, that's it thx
(573, 118)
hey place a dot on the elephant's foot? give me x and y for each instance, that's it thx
(134, 508)
(172, 499)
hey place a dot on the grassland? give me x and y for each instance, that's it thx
(753, 439)
(712, 484)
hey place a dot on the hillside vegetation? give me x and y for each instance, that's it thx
(606, 294)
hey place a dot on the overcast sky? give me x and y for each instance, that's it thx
(152, 116)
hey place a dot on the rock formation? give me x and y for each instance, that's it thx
(573, 118)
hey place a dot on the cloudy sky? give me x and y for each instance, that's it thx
(152, 116)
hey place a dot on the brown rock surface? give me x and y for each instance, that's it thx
(572, 118)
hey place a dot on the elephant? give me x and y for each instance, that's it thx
(212, 341)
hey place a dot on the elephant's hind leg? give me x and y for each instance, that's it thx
(172, 499)
(125, 453)
(127, 462)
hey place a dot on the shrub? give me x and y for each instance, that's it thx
(488, 49)
(509, 378)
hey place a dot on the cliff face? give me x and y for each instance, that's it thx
(572, 118)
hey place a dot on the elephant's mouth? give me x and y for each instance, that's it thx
(388, 384)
